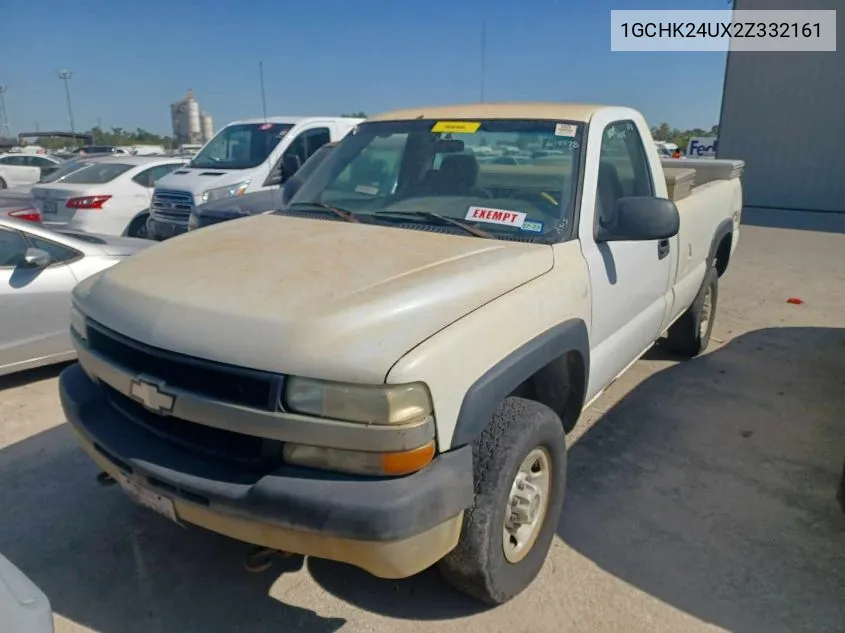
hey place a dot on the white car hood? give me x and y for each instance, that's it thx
(196, 181)
(319, 298)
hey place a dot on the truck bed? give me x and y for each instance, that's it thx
(683, 177)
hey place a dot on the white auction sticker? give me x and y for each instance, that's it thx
(496, 216)
(565, 129)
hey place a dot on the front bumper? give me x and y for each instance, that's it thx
(160, 230)
(392, 527)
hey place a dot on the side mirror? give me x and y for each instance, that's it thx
(37, 258)
(290, 165)
(289, 190)
(640, 219)
(276, 176)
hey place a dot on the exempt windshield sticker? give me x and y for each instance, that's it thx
(367, 190)
(565, 129)
(462, 127)
(496, 216)
(534, 227)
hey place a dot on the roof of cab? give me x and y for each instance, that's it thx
(581, 112)
(293, 120)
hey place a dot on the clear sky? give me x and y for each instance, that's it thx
(131, 58)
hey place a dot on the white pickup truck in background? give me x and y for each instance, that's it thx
(383, 372)
(244, 157)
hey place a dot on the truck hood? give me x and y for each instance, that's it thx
(318, 298)
(196, 181)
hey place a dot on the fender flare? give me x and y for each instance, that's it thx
(725, 228)
(485, 394)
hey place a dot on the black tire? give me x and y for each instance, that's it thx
(2, 184)
(478, 565)
(138, 227)
(686, 336)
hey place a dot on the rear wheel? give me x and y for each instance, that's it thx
(2, 184)
(520, 476)
(138, 227)
(690, 335)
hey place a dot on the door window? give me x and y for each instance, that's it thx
(149, 177)
(12, 248)
(623, 169)
(304, 145)
(58, 252)
(14, 160)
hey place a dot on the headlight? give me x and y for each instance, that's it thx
(238, 189)
(360, 462)
(368, 404)
(77, 323)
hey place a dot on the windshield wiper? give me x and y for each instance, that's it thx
(443, 219)
(341, 213)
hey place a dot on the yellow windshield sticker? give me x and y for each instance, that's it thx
(461, 127)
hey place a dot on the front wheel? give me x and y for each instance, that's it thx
(138, 227)
(520, 478)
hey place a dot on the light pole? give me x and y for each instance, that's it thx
(4, 122)
(65, 76)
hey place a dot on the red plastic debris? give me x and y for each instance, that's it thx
(795, 301)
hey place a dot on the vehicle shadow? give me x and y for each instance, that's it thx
(21, 378)
(827, 222)
(711, 485)
(113, 567)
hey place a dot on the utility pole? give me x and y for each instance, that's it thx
(65, 76)
(263, 97)
(4, 122)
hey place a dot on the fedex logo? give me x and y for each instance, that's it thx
(702, 146)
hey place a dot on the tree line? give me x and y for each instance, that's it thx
(680, 138)
(116, 136)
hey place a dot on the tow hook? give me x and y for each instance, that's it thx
(104, 479)
(262, 558)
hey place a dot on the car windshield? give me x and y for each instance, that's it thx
(427, 170)
(241, 146)
(96, 173)
(66, 168)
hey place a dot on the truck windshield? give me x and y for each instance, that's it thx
(507, 177)
(241, 146)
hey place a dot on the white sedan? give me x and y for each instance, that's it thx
(38, 270)
(108, 196)
(25, 169)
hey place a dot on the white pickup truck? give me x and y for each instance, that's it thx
(383, 372)
(244, 157)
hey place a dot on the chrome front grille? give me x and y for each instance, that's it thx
(172, 206)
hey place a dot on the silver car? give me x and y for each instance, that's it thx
(38, 270)
(23, 607)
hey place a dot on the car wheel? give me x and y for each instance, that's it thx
(138, 228)
(690, 335)
(520, 478)
(2, 184)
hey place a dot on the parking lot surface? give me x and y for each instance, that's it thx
(701, 498)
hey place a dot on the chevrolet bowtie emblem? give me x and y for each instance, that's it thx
(151, 395)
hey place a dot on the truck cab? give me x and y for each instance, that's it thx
(244, 157)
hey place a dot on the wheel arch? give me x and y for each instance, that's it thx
(720, 247)
(551, 368)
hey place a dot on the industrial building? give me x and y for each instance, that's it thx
(190, 124)
(782, 113)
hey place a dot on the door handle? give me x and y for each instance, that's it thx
(662, 249)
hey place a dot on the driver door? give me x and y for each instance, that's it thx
(34, 304)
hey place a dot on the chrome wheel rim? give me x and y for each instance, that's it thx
(527, 504)
(706, 309)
